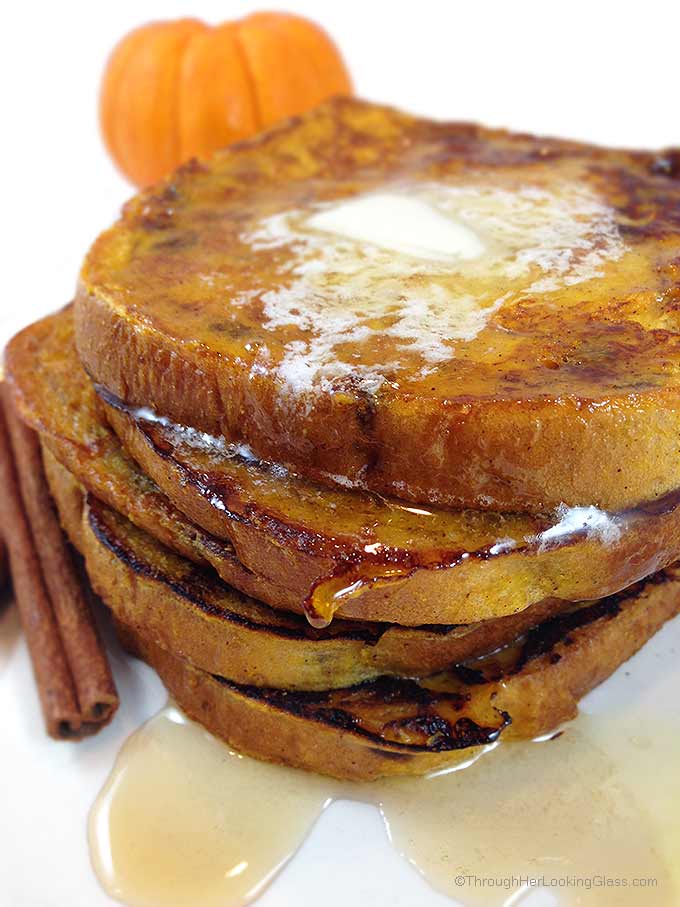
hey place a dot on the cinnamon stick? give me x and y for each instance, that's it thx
(72, 673)
(3, 565)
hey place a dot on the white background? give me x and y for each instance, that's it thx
(605, 72)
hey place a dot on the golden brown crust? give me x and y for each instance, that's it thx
(55, 397)
(287, 533)
(253, 726)
(547, 690)
(539, 697)
(566, 395)
(189, 612)
(478, 585)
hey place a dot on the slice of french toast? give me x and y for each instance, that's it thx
(191, 613)
(436, 311)
(387, 561)
(279, 537)
(403, 727)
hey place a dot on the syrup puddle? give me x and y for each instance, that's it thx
(183, 820)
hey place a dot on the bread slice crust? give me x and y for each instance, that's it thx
(568, 393)
(276, 536)
(191, 616)
(402, 728)
(190, 612)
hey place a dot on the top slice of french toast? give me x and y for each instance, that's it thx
(438, 311)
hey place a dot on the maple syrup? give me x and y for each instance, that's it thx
(590, 813)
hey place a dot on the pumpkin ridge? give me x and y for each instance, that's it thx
(113, 97)
(177, 125)
(285, 26)
(250, 78)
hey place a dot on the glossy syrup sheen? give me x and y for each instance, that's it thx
(343, 535)
(185, 821)
(216, 300)
(377, 541)
(225, 259)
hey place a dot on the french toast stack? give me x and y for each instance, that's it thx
(368, 431)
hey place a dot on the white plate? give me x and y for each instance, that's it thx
(546, 67)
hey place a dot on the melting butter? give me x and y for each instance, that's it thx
(396, 278)
(183, 820)
(400, 223)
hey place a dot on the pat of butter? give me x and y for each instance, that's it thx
(399, 223)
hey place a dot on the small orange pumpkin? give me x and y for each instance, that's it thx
(174, 90)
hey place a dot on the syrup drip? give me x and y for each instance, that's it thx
(329, 593)
(184, 820)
